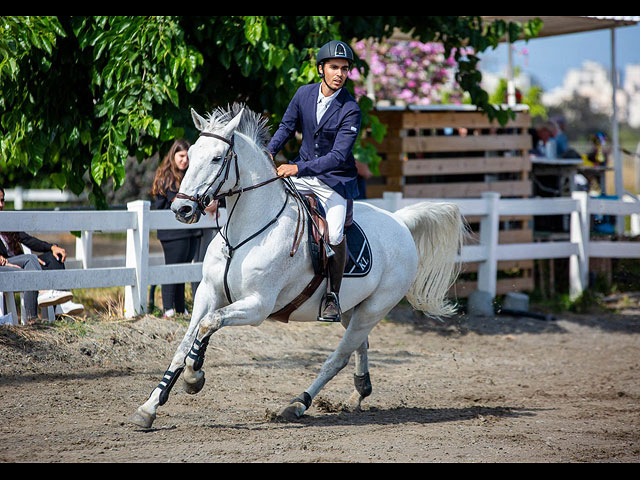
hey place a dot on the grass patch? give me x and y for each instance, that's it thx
(71, 326)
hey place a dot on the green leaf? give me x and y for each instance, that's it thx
(97, 168)
(154, 128)
(173, 95)
(59, 180)
(253, 29)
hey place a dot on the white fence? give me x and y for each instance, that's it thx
(19, 195)
(138, 272)
(578, 249)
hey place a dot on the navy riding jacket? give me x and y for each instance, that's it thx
(327, 147)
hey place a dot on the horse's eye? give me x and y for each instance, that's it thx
(217, 159)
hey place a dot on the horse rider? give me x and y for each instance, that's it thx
(329, 119)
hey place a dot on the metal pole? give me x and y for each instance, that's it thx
(371, 92)
(511, 85)
(636, 169)
(615, 134)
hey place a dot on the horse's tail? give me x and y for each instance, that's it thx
(439, 231)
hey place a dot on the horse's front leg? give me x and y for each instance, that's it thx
(146, 414)
(249, 311)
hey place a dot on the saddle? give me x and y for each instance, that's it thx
(358, 262)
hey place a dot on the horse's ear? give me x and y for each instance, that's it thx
(198, 121)
(232, 126)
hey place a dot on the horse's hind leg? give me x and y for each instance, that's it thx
(361, 377)
(355, 338)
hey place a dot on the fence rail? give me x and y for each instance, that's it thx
(139, 268)
(19, 196)
(578, 249)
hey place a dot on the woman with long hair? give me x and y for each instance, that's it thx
(179, 246)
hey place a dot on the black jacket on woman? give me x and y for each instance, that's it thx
(33, 243)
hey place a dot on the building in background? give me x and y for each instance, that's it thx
(592, 81)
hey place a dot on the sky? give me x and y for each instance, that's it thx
(549, 59)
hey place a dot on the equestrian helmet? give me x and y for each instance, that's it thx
(334, 49)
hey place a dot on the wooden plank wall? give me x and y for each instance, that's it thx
(461, 154)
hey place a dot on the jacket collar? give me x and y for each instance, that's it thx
(336, 105)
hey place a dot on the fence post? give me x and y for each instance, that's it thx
(135, 296)
(18, 201)
(392, 201)
(634, 222)
(84, 249)
(489, 238)
(580, 231)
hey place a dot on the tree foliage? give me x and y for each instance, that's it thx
(79, 94)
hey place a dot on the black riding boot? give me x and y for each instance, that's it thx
(331, 311)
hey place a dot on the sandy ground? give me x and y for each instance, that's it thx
(470, 390)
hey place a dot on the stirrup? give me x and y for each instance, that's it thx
(323, 303)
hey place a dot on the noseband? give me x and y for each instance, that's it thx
(203, 200)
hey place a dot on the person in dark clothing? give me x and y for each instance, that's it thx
(329, 119)
(179, 246)
(52, 258)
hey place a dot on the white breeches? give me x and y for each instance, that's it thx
(334, 205)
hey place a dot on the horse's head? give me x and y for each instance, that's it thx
(211, 169)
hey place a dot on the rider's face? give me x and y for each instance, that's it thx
(336, 72)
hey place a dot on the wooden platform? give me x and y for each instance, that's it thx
(458, 153)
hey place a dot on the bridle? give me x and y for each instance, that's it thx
(203, 200)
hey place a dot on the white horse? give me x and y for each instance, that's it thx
(249, 273)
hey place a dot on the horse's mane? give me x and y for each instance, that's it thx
(252, 124)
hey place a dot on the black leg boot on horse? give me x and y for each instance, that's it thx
(331, 311)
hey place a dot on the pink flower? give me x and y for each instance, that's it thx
(412, 72)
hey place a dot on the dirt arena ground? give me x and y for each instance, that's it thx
(470, 390)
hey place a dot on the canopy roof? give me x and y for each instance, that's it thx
(562, 25)
(556, 24)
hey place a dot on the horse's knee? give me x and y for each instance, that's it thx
(210, 324)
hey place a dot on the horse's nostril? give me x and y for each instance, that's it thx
(185, 211)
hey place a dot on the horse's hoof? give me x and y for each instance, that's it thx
(354, 403)
(194, 387)
(292, 412)
(142, 419)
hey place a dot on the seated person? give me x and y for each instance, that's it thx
(562, 142)
(12, 256)
(541, 135)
